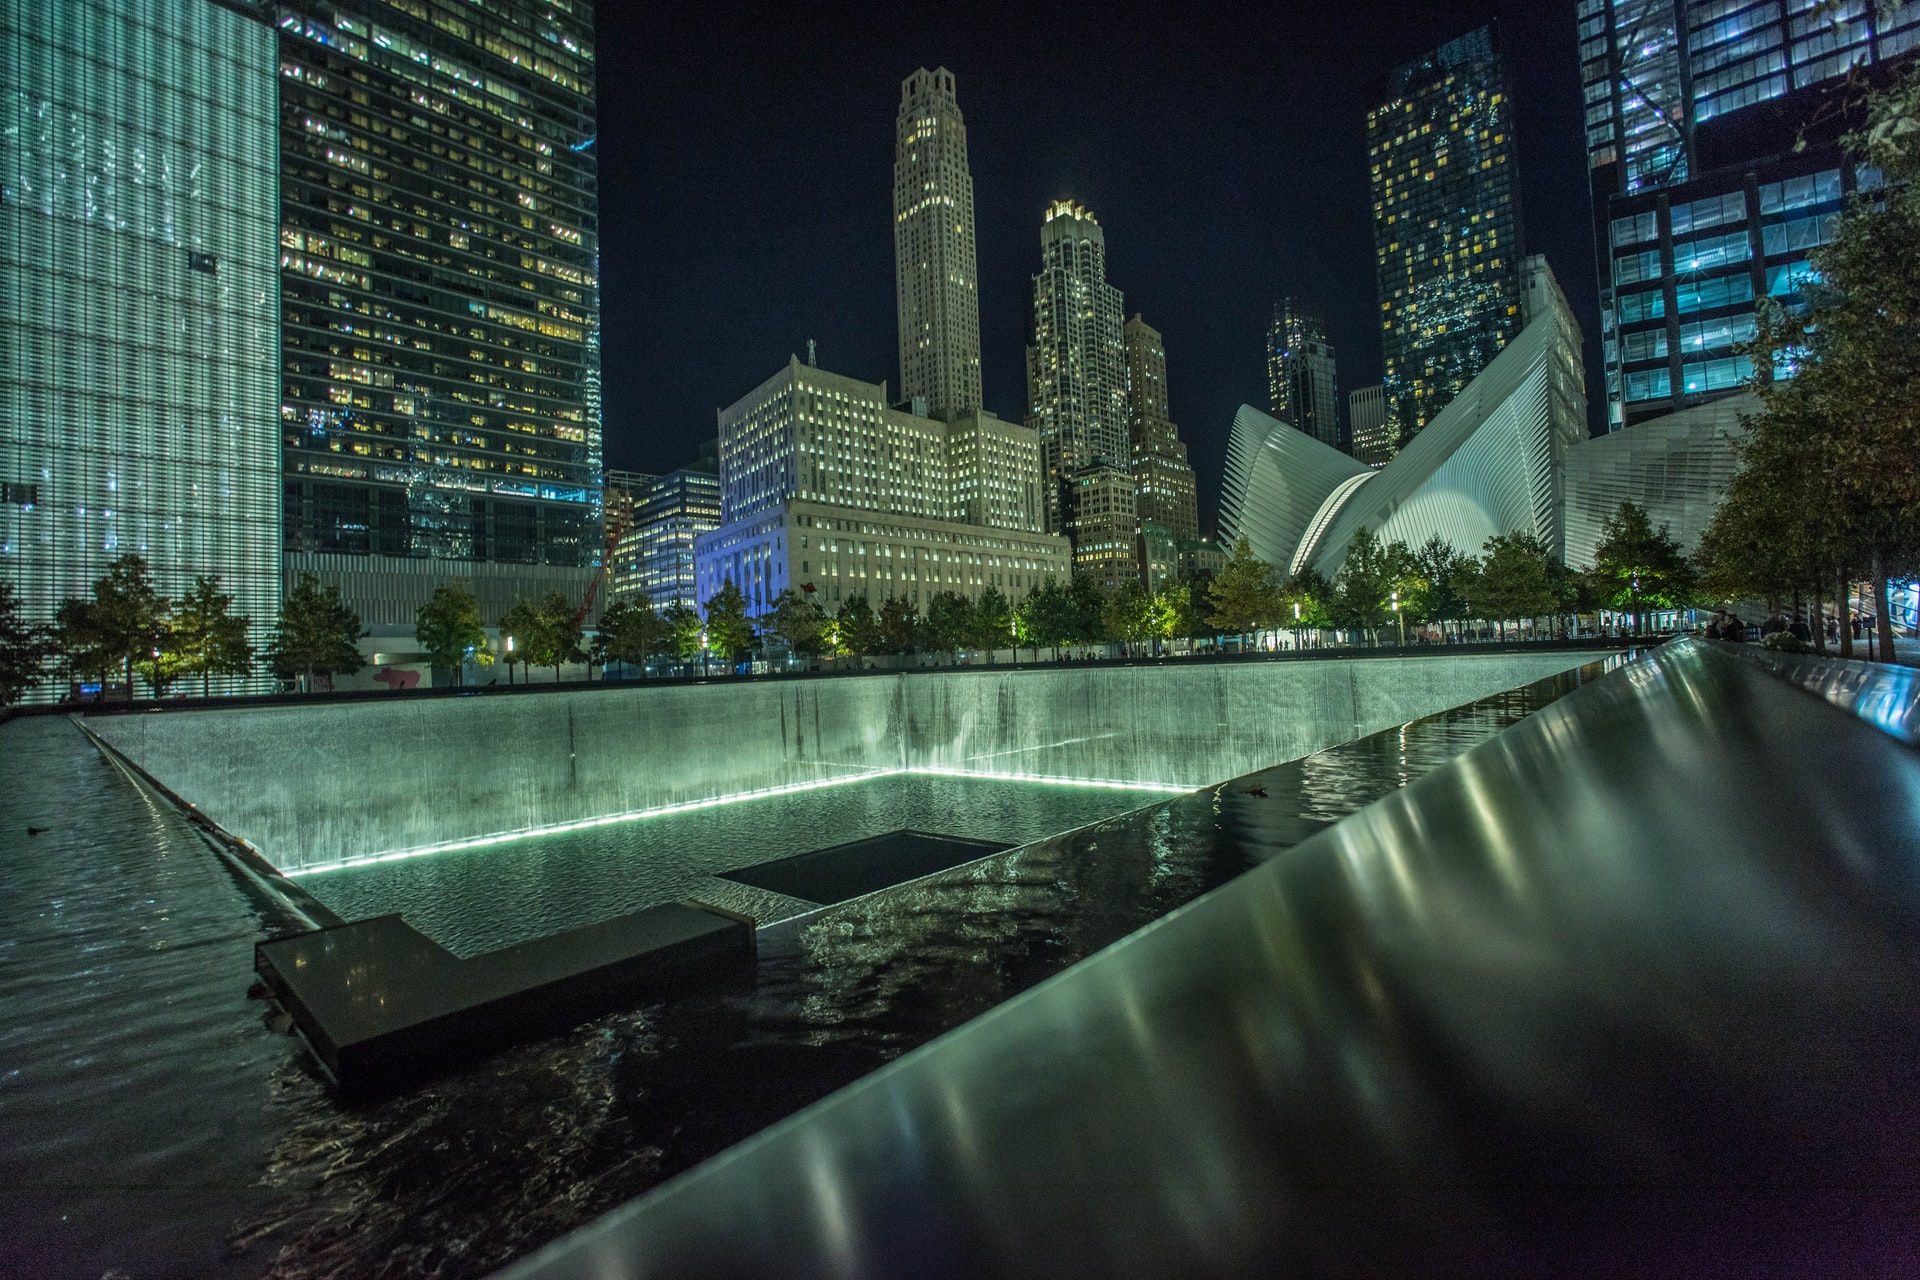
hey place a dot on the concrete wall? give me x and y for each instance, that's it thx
(314, 784)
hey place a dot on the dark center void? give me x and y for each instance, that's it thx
(865, 866)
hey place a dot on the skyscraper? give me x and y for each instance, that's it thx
(1446, 223)
(936, 279)
(439, 298)
(1163, 483)
(1373, 439)
(1713, 153)
(139, 356)
(1076, 364)
(1300, 371)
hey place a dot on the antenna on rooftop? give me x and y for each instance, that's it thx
(812, 363)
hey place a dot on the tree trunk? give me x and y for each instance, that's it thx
(1882, 607)
(1843, 605)
(1817, 621)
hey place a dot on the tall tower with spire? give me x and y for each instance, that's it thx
(937, 283)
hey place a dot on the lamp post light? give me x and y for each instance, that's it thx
(1400, 619)
(509, 660)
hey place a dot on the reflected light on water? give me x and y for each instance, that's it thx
(611, 819)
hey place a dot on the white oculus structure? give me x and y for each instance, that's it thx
(1492, 462)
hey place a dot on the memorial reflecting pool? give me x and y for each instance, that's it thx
(152, 1119)
(482, 899)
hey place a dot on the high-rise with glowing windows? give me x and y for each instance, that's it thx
(1446, 223)
(936, 280)
(139, 339)
(1300, 372)
(1712, 150)
(439, 297)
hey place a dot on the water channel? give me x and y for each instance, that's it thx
(153, 1122)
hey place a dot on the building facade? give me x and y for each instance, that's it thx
(622, 494)
(1103, 524)
(1713, 154)
(822, 483)
(1301, 386)
(438, 289)
(935, 271)
(139, 324)
(1446, 224)
(1678, 468)
(1374, 442)
(1163, 483)
(1076, 363)
(676, 510)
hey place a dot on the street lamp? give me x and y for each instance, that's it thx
(509, 660)
(1400, 619)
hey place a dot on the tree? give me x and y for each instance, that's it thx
(729, 630)
(518, 627)
(1045, 617)
(23, 649)
(1087, 604)
(553, 633)
(900, 625)
(121, 624)
(1513, 581)
(316, 636)
(1129, 616)
(1440, 568)
(448, 628)
(799, 621)
(855, 627)
(210, 639)
(990, 623)
(630, 632)
(950, 621)
(687, 630)
(1636, 565)
(1362, 594)
(1245, 594)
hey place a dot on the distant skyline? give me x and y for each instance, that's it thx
(746, 172)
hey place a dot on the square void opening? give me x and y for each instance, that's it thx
(849, 870)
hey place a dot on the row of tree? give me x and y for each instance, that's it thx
(124, 627)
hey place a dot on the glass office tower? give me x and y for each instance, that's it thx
(1712, 150)
(438, 265)
(1446, 224)
(139, 299)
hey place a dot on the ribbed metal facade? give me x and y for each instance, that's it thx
(139, 337)
(1677, 468)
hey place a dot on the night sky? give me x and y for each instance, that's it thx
(746, 178)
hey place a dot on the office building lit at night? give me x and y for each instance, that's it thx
(1715, 166)
(1446, 223)
(439, 292)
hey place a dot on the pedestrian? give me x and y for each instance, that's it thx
(1733, 629)
(1801, 631)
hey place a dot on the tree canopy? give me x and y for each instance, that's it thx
(317, 634)
(630, 633)
(1636, 566)
(1245, 594)
(448, 629)
(729, 630)
(23, 649)
(210, 639)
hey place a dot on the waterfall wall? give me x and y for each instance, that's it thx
(313, 784)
